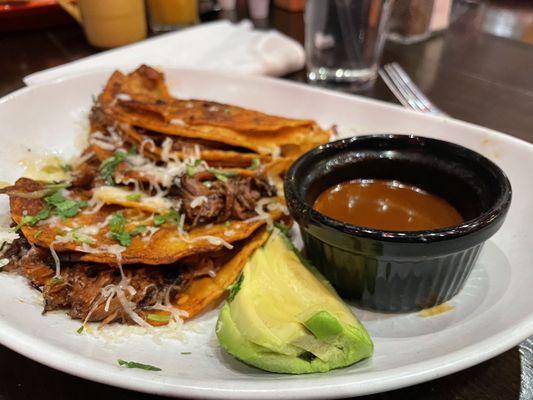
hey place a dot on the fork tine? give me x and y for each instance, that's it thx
(414, 88)
(404, 90)
(390, 84)
(409, 83)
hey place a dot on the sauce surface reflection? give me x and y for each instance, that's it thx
(386, 205)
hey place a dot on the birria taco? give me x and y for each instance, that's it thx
(161, 211)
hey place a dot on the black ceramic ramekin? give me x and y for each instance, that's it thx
(398, 271)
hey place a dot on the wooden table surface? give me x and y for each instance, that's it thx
(480, 70)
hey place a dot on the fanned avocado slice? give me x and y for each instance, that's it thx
(283, 316)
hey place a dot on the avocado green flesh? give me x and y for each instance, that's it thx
(286, 318)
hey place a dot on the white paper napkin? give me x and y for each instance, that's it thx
(219, 45)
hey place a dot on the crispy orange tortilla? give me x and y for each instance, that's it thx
(164, 247)
(144, 80)
(206, 290)
(205, 120)
(300, 138)
(201, 112)
(148, 93)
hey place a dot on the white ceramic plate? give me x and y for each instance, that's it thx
(493, 313)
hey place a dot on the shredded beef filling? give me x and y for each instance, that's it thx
(13, 252)
(79, 290)
(220, 201)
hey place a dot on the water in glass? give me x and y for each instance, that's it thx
(344, 39)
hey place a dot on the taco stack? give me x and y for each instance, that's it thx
(162, 209)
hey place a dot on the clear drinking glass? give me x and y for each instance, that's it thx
(344, 39)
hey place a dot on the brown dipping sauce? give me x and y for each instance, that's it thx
(386, 205)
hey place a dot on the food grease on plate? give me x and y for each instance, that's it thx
(437, 310)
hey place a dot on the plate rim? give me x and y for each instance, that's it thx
(86, 368)
(68, 362)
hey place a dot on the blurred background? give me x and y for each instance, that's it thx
(460, 53)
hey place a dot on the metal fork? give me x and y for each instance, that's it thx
(406, 90)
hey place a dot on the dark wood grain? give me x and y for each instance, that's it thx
(469, 72)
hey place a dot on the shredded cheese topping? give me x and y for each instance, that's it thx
(7, 236)
(109, 142)
(168, 174)
(113, 249)
(198, 201)
(269, 202)
(56, 261)
(123, 97)
(115, 195)
(145, 142)
(177, 121)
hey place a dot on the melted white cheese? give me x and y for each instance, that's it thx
(115, 195)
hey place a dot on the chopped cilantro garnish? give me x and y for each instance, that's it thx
(283, 228)
(117, 222)
(171, 216)
(208, 184)
(81, 238)
(56, 202)
(123, 237)
(158, 317)
(191, 169)
(64, 207)
(254, 164)
(159, 219)
(56, 280)
(138, 230)
(134, 196)
(32, 220)
(37, 234)
(109, 165)
(227, 111)
(235, 287)
(55, 198)
(117, 229)
(227, 224)
(70, 208)
(222, 175)
(185, 353)
(80, 330)
(133, 364)
(65, 167)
